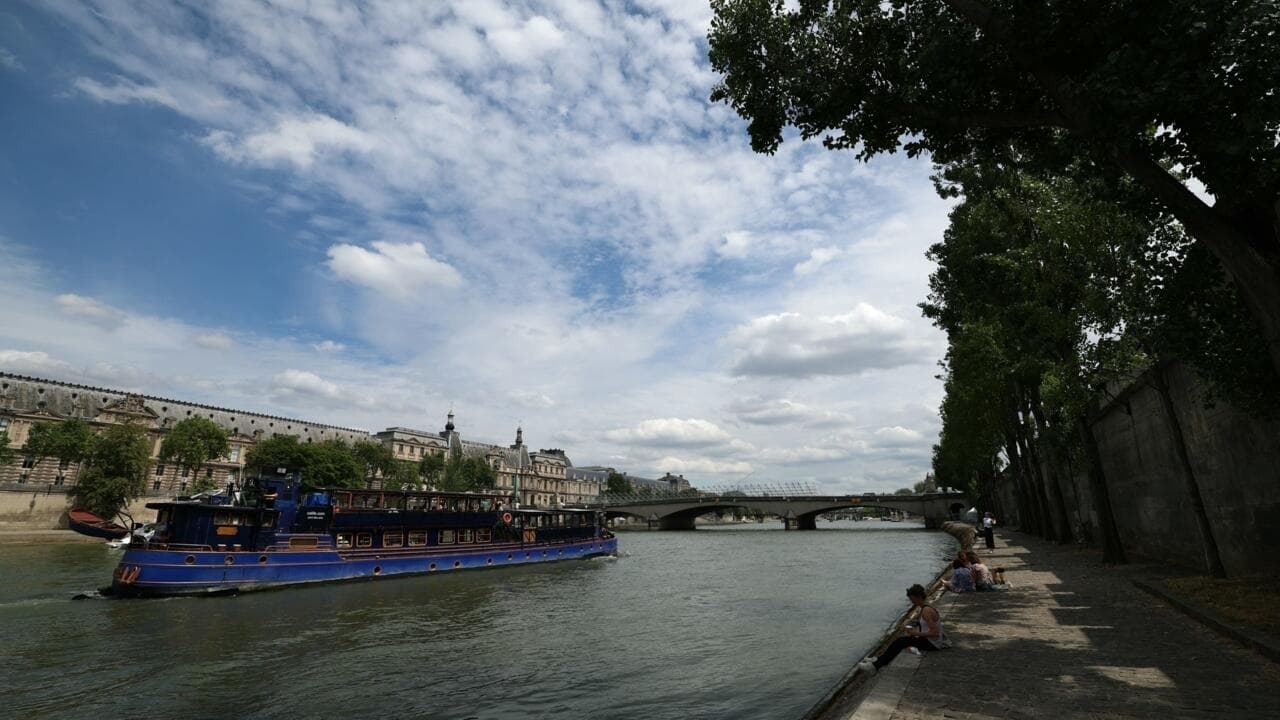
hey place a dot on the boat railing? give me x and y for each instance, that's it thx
(176, 546)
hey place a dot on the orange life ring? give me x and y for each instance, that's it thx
(506, 517)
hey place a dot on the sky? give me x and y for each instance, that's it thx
(528, 213)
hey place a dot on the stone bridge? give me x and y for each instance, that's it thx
(797, 512)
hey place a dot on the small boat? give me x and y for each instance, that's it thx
(276, 533)
(86, 523)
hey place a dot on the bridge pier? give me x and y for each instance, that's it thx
(802, 522)
(676, 522)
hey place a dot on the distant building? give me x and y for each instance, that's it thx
(545, 478)
(25, 401)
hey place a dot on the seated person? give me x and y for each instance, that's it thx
(924, 634)
(961, 578)
(982, 579)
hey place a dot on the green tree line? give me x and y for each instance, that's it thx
(1077, 257)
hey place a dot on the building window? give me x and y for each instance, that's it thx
(235, 454)
(159, 470)
(60, 479)
(22, 479)
(4, 423)
(182, 487)
(28, 462)
(63, 464)
(186, 472)
(155, 485)
(208, 472)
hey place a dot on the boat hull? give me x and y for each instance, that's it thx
(145, 572)
(89, 524)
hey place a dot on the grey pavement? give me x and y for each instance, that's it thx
(1072, 639)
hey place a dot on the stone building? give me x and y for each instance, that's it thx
(543, 477)
(25, 401)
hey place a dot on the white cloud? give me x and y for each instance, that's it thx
(329, 346)
(123, 92)
(9, 60)
(306, 383)
(781, 411)
(296, 140)
(214, 341)
(397, 271)
(25, 362)
(897, 436)
(530, 399)
(92, 310)
(522, 45)
(664, 432)
(798, 345)
(681, 466)
(817, 258)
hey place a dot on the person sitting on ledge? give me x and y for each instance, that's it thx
(923, 634)
(982, 580)
(961, 578)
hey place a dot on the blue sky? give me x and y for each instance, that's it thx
(529, 212)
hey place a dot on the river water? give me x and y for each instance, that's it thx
(741, 621)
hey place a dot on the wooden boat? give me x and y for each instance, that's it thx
(86, 523)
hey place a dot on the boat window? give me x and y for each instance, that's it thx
(302, 543)
(222, 518)
(446, 537)
(417, 538)
(466, 536)
(484, 535)
(364, 540)
(269, 521)
(392, 539)
(344, 540)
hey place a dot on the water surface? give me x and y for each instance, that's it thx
(727, 622)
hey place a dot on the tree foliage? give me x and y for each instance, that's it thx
(115, 470)
(331, 463)
(378, 459)
(431, 468)
(192, 443)
(1144, 90)
(617, 484)
(6, 453)
(69, 441)
(403, 475)
(468, 474)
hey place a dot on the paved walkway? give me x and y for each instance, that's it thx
(1073, 639)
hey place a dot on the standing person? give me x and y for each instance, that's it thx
(925, 634)
(989, 530)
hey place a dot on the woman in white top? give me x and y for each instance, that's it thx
(925, 634)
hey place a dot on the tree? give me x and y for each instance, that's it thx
(280, 451)
(402, 476)
(468, 474)
(1150, 90)
(115, 471)
(378, 459)
(193, 442)
(68, 441)
(904, 491)
(332, 464)
(431, 468)
(617, 484)
(6, 453)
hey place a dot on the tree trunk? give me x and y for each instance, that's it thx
(1055, 484)
(1112, 547)
(1213, 560)
(1027, 516)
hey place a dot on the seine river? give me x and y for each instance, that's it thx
(741, 621)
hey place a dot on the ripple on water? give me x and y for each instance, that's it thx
(728, 623)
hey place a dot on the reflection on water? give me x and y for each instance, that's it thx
(726, 622)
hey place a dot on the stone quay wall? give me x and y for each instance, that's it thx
(1236, 460)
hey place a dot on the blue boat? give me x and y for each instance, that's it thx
(275, 534)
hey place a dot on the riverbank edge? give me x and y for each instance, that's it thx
(1211, 620)
(854, 680)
